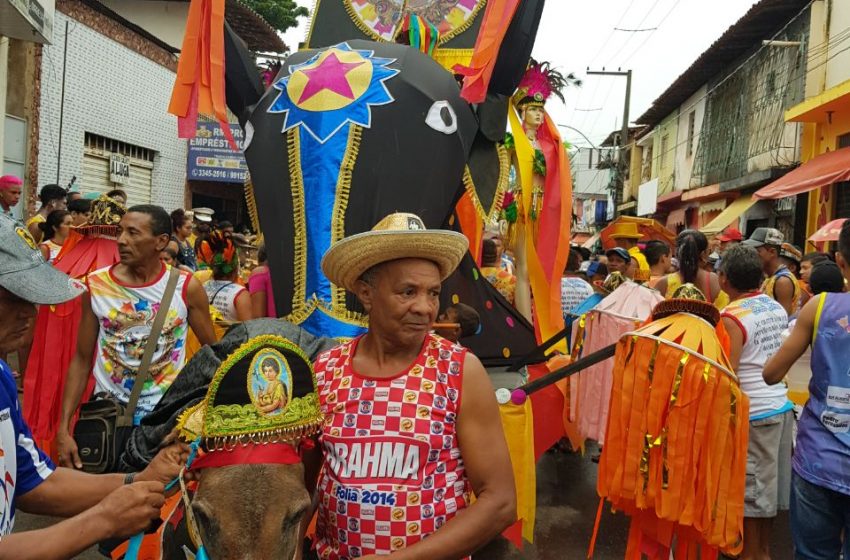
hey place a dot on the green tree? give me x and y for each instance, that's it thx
(281, 14)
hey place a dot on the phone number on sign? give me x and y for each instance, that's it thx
(365, 496)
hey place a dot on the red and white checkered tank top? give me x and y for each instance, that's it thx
(392, 471)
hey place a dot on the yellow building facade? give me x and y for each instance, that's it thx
(825, 112)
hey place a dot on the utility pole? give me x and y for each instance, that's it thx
(624, 134)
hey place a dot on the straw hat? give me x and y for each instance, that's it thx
(398, 236)
(625, 230)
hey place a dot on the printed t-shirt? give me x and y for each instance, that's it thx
(125, 315)
(762, 321)
(392, 471)
(769, 287)
(574, 290)
(502, 280)
(222, 296)
(22, 465)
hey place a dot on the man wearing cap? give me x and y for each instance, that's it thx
(626, 235)
(619, 260)
(780, 284)
(10, 193)
(412, 426)
(97, 506)
(728, 237)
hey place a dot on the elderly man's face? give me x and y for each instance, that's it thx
(403, 300)
(18, 316)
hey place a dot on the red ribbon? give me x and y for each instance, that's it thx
(252, 454)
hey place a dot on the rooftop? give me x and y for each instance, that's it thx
(760, 22)
(258, 35)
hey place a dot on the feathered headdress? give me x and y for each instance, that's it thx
(540, 82)
(218, 253)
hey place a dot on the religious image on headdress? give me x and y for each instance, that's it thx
(270, 382)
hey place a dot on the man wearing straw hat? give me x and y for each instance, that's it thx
(412, 426)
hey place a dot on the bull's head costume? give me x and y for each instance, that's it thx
(352, 130)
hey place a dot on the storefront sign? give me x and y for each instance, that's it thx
(119, 169)
(647, 198)
(212, 159)
(27, 20)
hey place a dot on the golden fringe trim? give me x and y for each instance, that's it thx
(501, 187)
(340, 314)
(449, 58)
(464, 26)
(312, 22)
(343, 189)
(443, 39)
(292, 436)
(296, 181)
(251, 202)
(346, 315)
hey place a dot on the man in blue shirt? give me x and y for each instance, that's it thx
(97, 506)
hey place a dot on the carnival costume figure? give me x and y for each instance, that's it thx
(89, 247)
(624, 309)
(543, 196)
(675, 450)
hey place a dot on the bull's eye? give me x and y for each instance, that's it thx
(441, 117)
(249, 135)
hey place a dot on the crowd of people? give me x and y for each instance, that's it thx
(775, 304)
(773, 301)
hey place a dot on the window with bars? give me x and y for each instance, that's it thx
(101, 143)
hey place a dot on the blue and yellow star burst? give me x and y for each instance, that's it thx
(337, 86)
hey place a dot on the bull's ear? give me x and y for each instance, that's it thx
(516, 48)
(243, 85)
(493, 117)
(486, 176)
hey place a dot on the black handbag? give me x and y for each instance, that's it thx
(105, 423)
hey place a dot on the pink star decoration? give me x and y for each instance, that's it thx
(330, 74)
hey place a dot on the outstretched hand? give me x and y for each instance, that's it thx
(130, 509)
(166, 466)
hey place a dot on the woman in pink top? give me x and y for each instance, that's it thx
(260, 286)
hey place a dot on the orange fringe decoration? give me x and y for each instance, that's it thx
(676, 446)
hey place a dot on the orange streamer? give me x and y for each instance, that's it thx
(199, 87)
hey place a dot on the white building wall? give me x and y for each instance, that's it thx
(113, 92)
(684, 161)
(165, 19)
(589, 181)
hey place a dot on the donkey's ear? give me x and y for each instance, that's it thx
(243, 86)
(516, 48)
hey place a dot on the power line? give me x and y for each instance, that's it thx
(801, 76)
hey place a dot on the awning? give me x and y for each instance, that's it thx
(823, 170)
(674, 196)
(730, 214)
(713, 206)
(676, 218)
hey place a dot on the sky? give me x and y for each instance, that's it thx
(575, 34)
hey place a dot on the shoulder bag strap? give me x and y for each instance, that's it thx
(143, 374)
